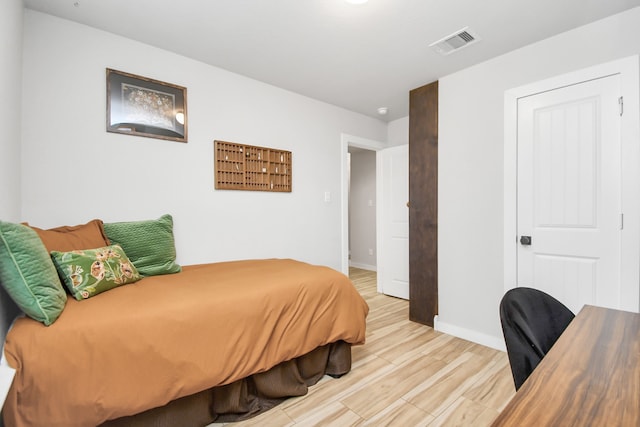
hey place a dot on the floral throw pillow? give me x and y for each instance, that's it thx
(91, 271)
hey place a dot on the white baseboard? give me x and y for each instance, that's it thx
(363, 266)
(6, 378)
(469, 335)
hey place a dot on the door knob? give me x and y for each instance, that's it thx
(525, 240)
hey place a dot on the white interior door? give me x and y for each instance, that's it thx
(393, 220)
(569, 193)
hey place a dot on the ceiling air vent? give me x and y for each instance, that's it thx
(455, 41)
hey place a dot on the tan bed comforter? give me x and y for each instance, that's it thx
(142, 345)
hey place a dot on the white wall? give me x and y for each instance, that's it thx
(362, 210)
(470, 193)
(398, 132)
(73, 170)
(10, 75)
(11, 25)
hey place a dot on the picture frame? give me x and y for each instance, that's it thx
(146, 107)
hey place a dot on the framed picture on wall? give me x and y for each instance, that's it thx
(145, 107)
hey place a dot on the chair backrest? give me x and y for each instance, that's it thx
(531, 321)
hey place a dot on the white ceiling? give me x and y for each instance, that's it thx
(359, 57)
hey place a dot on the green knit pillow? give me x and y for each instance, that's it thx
(28, 274)
(148, 244)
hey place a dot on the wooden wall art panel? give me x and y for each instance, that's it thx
(248, 167)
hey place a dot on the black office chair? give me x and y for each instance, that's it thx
(531, 321)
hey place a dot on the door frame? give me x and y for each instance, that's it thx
(628, 70)
(347, 141)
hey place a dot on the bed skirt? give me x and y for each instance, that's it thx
(249, 396)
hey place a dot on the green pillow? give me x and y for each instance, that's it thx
(28, 275)
(92, 271)
(149, 244)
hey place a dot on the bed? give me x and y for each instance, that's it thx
(213, 342)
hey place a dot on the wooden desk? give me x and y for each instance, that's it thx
(590, 377)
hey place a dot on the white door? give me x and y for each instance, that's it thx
(393, 214)
(569, 193)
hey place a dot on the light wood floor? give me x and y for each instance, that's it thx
(406, 374)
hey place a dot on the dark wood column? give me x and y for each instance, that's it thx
(423, 203)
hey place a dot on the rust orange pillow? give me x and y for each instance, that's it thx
(71, 238)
